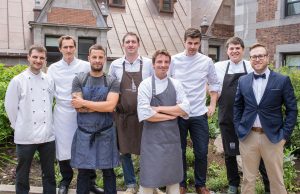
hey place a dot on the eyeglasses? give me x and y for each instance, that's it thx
(259, 57)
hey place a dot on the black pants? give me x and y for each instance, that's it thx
(84, 181)
(233, 174)
(67, 173)
(25, 153)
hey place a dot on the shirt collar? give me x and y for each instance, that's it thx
(267, 72)
(160, 80)
(138, 59)
(72, 63)
(239, 63)
(32, 75)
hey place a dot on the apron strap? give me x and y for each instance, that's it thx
(227, 67)
(85, 79)
(245, 67)
(153, 86)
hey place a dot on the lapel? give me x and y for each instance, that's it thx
(268, 86)
(250, 81)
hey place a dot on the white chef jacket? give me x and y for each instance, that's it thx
(28, 103)
(194, 72)
(65, 116)
(145, 95)
(116, 67)
(233, 69)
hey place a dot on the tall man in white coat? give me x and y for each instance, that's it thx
(65, 122)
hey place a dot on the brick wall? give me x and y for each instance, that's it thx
(71, 16)
(271, 37)
(266, 10)
(222, 30)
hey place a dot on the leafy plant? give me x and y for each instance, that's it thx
(290, 172)
(217, 178)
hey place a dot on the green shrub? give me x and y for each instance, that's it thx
(217, 179)
(290, 172)
(6, 74)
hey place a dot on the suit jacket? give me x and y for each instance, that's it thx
(279, 91)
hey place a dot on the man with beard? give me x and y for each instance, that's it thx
(64, 116)
(94, 146)
(228, 73)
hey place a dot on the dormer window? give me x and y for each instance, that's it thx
(165, 6)
(117, 3)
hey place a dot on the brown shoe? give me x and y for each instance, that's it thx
(202, 190)
(182, 190)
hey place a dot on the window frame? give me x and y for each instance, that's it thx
(86, 53)
(50, 51)
(287, 6)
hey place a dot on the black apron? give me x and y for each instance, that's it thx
(129, 129)
(161, 156)
(226, 101)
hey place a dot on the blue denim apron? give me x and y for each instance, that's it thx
(94, 144)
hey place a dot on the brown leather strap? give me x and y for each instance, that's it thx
(257, 129)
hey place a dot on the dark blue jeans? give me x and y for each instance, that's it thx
(128, 171)
(25, 153)
(198, 129)
(84, 181)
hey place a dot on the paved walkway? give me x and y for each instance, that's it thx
(10, 189)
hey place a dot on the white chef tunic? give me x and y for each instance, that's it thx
(28, 103)
(65, 116)
(145, 95)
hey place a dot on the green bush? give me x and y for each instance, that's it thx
(294, 75)
(6, 74)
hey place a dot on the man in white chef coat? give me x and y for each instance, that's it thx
(28, 103)
(65, 121)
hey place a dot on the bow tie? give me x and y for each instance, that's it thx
(256, 76)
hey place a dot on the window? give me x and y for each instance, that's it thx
(214, 53)
(292, 60)
(117, 3)
(53, 54)
(83, 47)
(166, 6)
(292, 7)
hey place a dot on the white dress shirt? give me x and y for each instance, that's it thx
(233, 69)
(65, 116)
(116, 67)
(194, 72)
(28, 103)
(259, 86)
(145, 95)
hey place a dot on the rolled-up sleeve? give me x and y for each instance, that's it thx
(144, 98)
(12, 101)
(212, 78)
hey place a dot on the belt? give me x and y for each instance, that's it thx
(257, 129)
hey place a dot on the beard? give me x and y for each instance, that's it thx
(97, 69)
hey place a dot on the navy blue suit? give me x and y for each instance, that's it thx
(279, 91)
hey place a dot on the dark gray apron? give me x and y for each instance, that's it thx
(161, 158)
(226, 101)
(94, 144)
(128, 126)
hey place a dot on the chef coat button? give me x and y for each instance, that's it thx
(33, 111)
(44, 111)
(43, 89)
(34, 122)
(44, 100)
(30, 88)
(42, 78)
(44, 122)
(32, 100)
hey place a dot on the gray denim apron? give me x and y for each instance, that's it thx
(161, 159)
(94, 144)
(226, 101)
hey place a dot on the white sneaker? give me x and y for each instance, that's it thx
(131, 191)
(157, 191)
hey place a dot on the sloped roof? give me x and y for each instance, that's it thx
(156, 30)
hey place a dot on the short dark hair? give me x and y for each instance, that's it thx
(255, 45)
(66, 37)
(97, 47)
(38, 48)
(192, 33)
(235, 40)
(130, 34)
(160, 52)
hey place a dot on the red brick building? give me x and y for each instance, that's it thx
(275, 23)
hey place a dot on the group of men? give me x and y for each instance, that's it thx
(156, 104)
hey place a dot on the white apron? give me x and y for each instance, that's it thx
(64, 116)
